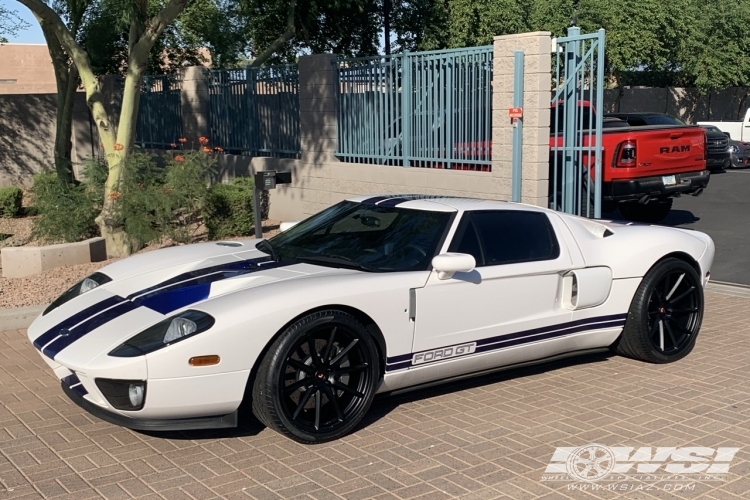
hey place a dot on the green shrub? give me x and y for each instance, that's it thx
(156, 202)
(229, 209)
(10, 201)
(66, 211)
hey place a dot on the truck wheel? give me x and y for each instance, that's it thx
(656, 211)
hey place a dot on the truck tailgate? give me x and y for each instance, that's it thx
(666, 150)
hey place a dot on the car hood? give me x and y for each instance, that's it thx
(149, 287)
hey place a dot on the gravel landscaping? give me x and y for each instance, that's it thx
(45, 287)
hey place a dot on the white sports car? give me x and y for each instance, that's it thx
(372, 295)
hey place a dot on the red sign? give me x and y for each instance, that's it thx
(515, 112)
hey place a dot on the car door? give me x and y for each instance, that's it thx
(511, 298)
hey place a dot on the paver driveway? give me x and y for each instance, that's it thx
(484, 438)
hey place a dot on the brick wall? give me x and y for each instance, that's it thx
(26, 69)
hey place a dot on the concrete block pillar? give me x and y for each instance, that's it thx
(194, 104)
(536, 104)
(318, 131)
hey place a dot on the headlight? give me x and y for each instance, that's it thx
(164, 333)
(79, 288)
(733, 149)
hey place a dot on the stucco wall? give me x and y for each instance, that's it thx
(27, 135)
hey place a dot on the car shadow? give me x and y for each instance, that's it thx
(675, 217)
(679, 218)
(386, 403)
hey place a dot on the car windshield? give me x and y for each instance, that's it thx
(366, 237)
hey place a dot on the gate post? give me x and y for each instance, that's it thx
(569, 127)
(537, 82)
(518, 130)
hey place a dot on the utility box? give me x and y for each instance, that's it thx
(265, 180)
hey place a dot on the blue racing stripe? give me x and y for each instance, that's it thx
(374, 200)
(171, 300)
(392, 202)
(165, 297)
(54, 332)
(54, 348)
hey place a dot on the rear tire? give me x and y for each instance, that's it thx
(665, 315)
(655, 211)
(318, 378)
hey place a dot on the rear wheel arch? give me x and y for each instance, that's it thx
(685, 257)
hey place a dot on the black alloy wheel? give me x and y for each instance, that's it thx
(318, 379)
(665, 315)
(674, 314)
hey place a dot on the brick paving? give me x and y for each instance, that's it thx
(485, 438)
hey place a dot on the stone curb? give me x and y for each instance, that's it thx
(18, 318)
(734, 289)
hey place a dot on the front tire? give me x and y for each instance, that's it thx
(665, 315)
(318, 378)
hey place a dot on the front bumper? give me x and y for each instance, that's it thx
(739, 161)
(717, 162)
(181, 424)
(634, 189)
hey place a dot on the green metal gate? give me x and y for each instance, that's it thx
(430, 109)
(576, 124)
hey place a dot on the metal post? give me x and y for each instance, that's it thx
(256, 211)
(569, 130)
(599, 115)
(517, 127)
(406, 106)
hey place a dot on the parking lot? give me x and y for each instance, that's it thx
(722, 211)
(484, 438)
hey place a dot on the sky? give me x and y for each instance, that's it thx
(31, 35)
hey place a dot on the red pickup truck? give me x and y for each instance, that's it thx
(643, 168)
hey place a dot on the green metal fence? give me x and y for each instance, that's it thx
(255, 111)
(428, 109)
(159, 121)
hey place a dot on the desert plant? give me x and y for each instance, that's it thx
(10, 201)
(229, 209)
(66, 211)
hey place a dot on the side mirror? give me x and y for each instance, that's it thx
(728, 134)
(287, 225)
(446, 264)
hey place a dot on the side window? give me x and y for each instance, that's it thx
(466, 240)
(511, 236)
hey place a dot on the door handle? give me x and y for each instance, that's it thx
(675, 135)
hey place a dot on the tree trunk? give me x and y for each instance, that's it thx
(64, 132)
(118, 243)
(66, 77)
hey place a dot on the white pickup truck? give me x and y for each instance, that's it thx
(738, 130)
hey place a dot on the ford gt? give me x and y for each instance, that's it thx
(372, 295)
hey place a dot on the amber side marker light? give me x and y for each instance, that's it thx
(212, 359)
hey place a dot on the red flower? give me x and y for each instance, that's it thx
(219, 149)
(182, 140)
(203, 140)
(173, 145)
(115, 194)
(119, 147)
(206, 150)
(179, 158)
